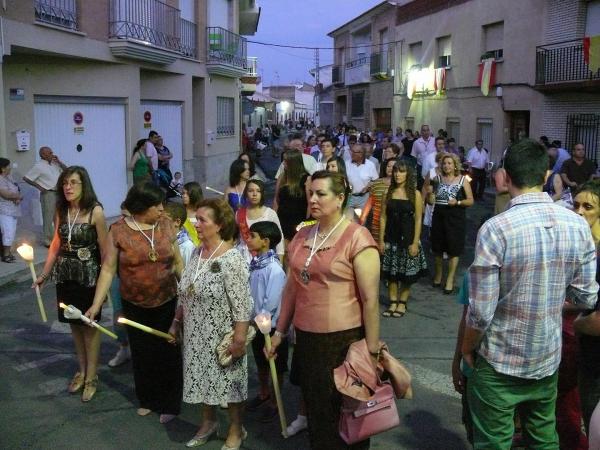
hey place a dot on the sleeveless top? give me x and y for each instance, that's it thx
(80, 263)
(444, 192)
(236, 200)
(141, 169)
(400, 222)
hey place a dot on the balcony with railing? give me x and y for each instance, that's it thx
(337, 75)
(562, 65)
(358, 71)
(226, 53)
(250, 78)
(62, 13)
(382, 66)
(150, 30)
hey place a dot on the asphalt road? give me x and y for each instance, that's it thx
(37, 361)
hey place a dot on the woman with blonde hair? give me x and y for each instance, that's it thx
(450, 195)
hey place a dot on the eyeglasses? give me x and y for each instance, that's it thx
(71, 183)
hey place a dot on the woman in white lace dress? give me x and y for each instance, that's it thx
(214, 297)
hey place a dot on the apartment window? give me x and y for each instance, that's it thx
(415, 53)
(225, 116)
(493, 35)
(358, 104)
(444, 51)
(592, 22)
(453, 128)
(484, 132)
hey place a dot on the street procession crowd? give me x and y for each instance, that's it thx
(350, 213)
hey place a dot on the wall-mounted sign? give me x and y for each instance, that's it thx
(78, 118)
(147, 116)
(78, 130)
(16, 94)
(23, 140)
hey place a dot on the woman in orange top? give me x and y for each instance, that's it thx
(144, 247)
(332, 296)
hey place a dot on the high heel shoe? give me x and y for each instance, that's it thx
(201, 439)
(76, 383)
(237, 447)
(89, 389)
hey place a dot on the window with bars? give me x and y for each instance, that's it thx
(225, 116)
(358, 104)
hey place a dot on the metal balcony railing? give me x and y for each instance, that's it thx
(337, 75)
(357, 62)
(189, 38)
(252, 66)
(62, 13)
(226, 47)
(562, 62)
(148, 21)
(381, 63)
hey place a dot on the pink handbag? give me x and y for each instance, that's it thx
(360, 420)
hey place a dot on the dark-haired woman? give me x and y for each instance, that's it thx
(245, 156)
(239, 174)
(336, 164)
(192, 196)
(332, 295)
(144, 248)
(214, 299)
(74, 263)
(291, 198)
(140, 164)
(400, 237)
(10, 199)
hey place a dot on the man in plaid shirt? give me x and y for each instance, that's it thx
(527, 261)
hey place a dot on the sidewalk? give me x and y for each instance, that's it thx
(19, 271)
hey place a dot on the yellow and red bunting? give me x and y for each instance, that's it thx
(487, 75)
(591, 52)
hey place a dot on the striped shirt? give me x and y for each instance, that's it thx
(527, 261)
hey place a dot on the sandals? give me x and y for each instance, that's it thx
(397, 313)
(390, 312)
(89, 389)
(76, 383)
(10, 258)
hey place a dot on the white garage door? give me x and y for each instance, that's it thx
(166, 121)
(101, 137)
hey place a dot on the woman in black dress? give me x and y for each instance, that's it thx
(291, 198)
(74, 262)
(400, 237)
(450, 195)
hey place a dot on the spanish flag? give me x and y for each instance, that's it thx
(591, 52)
(487, 75)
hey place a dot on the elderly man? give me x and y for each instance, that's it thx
(578, 169)
(478, 158)
(420, 149)
(44, 176)
(528, 259)
(360, 173)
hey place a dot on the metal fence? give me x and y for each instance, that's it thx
(146, 20)
(226, 47)
(562, 62)
(584, 129)
(357, 62)
(62, 13)
(189, 38)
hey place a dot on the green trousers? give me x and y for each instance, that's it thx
(493, 398)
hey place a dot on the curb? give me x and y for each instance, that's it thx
(20, 275)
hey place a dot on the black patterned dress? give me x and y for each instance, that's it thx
(77, 268)
(219, 297)
(397, 263)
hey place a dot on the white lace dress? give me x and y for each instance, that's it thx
(207, 316)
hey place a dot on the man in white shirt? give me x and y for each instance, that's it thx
(315, 150)
(478, 158)
(324, 154)
(429, 161)
(360, 173)
(44, 176)
(151, 152)
(421, 148)
(369, 155)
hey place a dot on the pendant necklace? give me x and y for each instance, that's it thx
(70, 225)
(152, 254)
(190, 288)
(304, 275)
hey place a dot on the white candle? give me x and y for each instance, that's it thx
(145, 328)
(73, 313)
(26, 252)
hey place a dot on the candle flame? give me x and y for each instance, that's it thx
(62, 305)
(121, 320)
(263, 321)
(358, 212)
(25, 251)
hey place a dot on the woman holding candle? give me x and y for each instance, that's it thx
(143, 246)
(74, 262)
(10, 198)
(215, 297)
(332, 297)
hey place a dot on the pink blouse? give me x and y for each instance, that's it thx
(331, 300)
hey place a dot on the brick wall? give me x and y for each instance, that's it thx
(565, 20)
(558, 106)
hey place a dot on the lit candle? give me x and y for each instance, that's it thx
(263, 322)
(26, 252)
(358, 212)
(73, 313)
(208, 188)
(145, 328)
